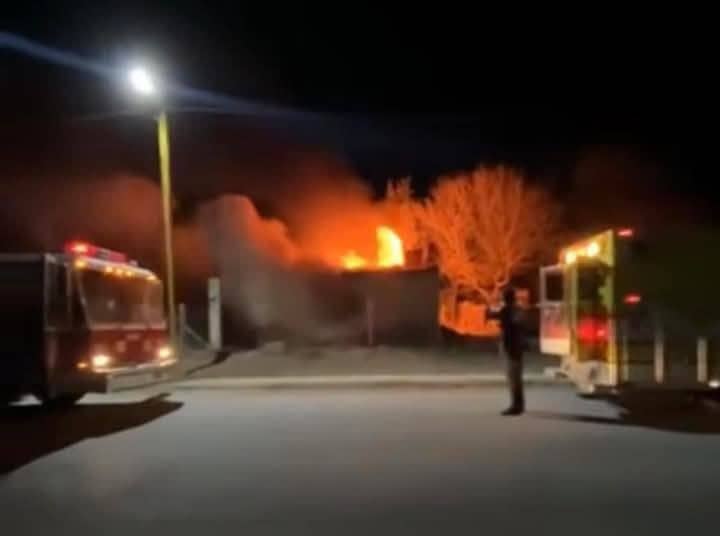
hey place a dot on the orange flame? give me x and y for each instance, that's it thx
(390, 252)
(353, 261)
(390, 248)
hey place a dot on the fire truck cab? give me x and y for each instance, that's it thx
(84, 320)
(631, 313)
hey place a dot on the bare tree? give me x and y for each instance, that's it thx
(486, 226)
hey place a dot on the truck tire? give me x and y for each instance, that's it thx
(63, 401)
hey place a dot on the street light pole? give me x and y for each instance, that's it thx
(167, 202)
(144, 84)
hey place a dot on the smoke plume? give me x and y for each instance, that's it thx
(263, 274)
(276, 239)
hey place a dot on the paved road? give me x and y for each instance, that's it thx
(362, 461)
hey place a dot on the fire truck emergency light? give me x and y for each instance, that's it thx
(77, 247)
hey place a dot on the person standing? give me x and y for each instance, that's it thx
(513, 340)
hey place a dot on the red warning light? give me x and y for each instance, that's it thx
(78, 248)
(632, 299)
(592, 330)
(626, 233)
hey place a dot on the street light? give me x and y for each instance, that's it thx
(143, 83)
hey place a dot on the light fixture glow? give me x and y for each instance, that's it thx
(142, 81)
(101, 360)
(164, 352)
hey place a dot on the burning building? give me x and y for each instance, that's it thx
(354, 295)
(400, 303)
(390, 252)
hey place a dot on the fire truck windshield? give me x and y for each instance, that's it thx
(120, 300)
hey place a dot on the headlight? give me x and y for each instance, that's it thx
(164, 352)
(101, 361)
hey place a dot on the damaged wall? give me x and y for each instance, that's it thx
(404, 304)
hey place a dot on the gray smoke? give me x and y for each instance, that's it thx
(264, 277)
(269, 278)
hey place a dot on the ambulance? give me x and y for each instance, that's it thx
(628, 311)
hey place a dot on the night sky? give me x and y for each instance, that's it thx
(393, 92)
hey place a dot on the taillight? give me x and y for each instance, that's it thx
(592, 330)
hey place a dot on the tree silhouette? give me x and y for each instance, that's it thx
(485, 226)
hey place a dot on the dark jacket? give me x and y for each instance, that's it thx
(513, 336)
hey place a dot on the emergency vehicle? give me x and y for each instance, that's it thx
(629, 312)
(84, 320)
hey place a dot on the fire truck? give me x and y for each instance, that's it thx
(631, 312)
(80, 321)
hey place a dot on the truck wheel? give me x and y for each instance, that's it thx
(61, 401)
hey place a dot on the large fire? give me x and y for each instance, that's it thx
(352, 261)
(390, 252)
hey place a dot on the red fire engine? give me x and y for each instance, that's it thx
(84, 320)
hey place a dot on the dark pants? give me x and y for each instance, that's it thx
(515, 379)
